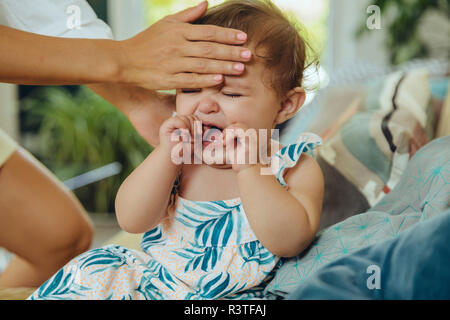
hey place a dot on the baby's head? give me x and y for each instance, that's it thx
(269, 91)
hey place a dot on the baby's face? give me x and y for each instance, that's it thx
(239, 99)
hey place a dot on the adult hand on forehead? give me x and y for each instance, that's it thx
(172, 53)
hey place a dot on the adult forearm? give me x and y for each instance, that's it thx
(170, 54)
(28, 58)
(276, 217)
(143, 197)
(146, 109)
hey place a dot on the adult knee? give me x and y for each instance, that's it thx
(76, 240)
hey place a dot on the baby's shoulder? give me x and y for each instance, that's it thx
(296, 161)
(306, 168)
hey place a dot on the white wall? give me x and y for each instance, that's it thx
(8, 105)
(345, 18)
(9, 110)
(126, 17)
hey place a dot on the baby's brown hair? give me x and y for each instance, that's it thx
(282, 48)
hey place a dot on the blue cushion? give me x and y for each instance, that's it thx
(414, 265)
(422, 192)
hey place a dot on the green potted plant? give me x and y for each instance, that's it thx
(401, 19)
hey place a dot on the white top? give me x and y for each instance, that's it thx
(52, 18)
(59, 18)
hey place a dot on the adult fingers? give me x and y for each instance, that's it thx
(209, 66)
(217, 51)
(200, 32)
(193, 80)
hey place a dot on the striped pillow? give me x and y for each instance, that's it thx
(372, 149)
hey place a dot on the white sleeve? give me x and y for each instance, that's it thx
(54, 18)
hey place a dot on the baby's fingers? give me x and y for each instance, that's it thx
(195, 126)
(175, 128)
(229, 136)
(234, 132)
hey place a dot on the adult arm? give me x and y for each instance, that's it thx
(170, 54)
(146, 109)
(28, 58)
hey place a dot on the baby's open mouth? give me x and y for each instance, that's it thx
(212, 133)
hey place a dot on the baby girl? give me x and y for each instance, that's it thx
(196, 244)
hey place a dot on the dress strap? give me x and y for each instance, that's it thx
(287, 157)
(175, 189)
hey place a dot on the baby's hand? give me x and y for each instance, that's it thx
(241, 146)
(176, 132)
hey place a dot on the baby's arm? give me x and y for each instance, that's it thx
(143, 197)
(285, 221)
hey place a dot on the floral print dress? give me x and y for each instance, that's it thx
(206, 251)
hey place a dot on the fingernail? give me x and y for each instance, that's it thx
(218, 77)
(246, 54)
(241, 36)
(238, 66)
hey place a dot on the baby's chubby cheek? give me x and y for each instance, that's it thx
(181, 108)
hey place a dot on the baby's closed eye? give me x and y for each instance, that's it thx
(226, 93)
(190, 90)
(232, 95)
